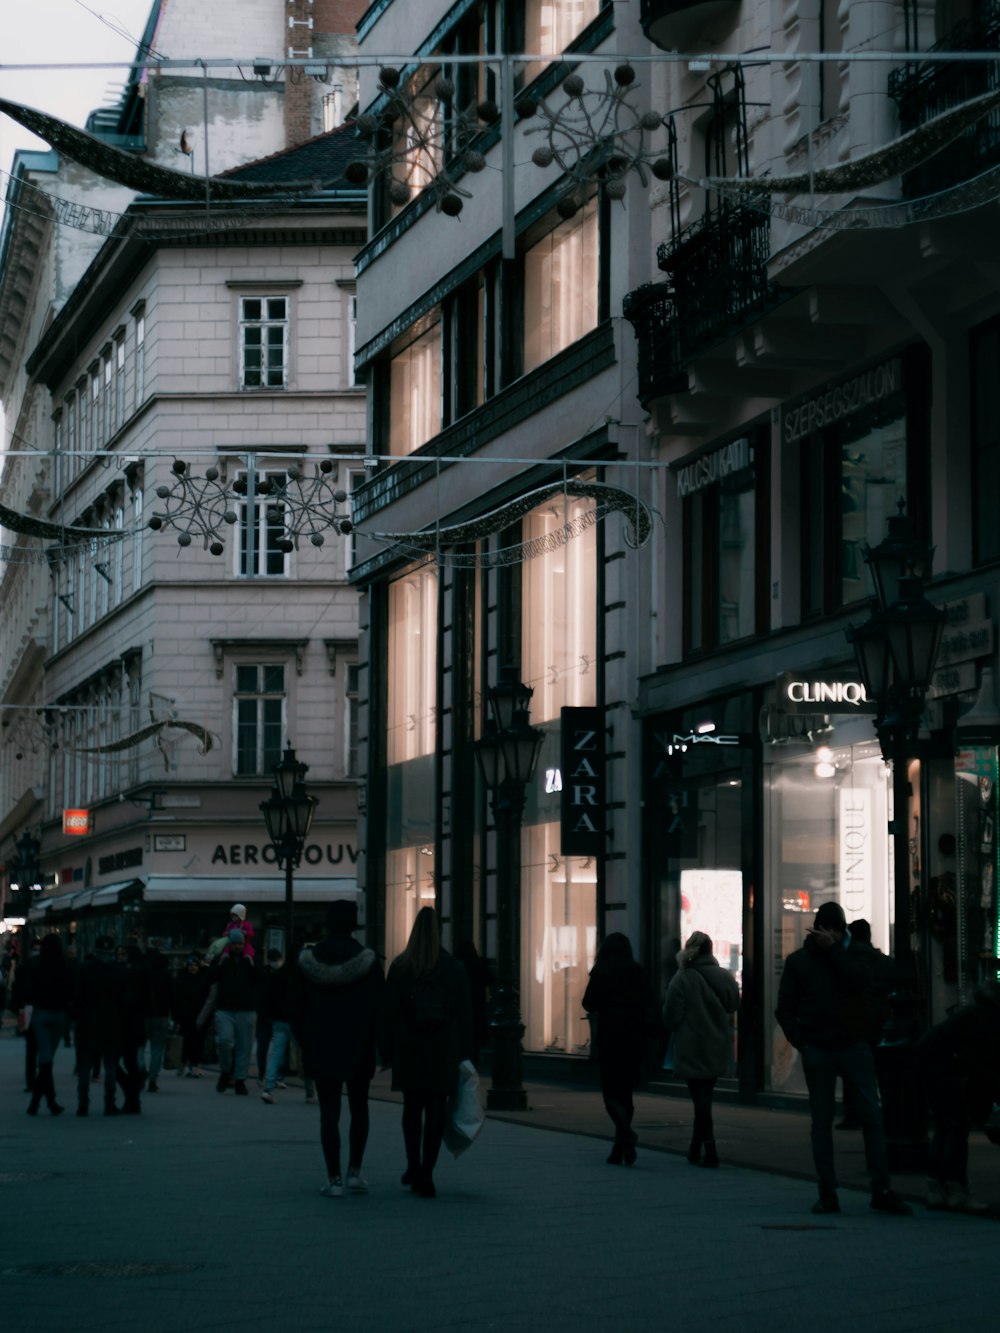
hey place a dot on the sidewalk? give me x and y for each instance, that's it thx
(760, 1138)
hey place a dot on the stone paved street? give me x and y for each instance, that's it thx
(204, 1214)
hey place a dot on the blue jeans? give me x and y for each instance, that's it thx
(233, 1041)
(856, 1066)
(156, 1034)
(49, 1026)
(281, 1039)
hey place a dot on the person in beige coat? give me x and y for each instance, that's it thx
(700, 1002)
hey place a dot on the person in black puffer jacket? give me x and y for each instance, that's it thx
(336, 1012)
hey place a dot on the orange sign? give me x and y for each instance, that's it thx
(76, 822)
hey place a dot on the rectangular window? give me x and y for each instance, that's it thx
(262, 528)
(96, 439)
(70, 469)
(351, 767)
(110, 424)
(117, 560)
(551, 25)
(417, 146)
(561, 286)
(59, 461)
(352, 336)
(412, 666)
(83, 431)
(119, 382)
(263, 342)
(259, 718)
(415, 408)
(137, 540)
(140, 358)
(721, 582)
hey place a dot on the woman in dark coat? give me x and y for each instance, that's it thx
(425, 1034)
(188, 994)
(335, 1015)
(51, 994)
(618, 996)
(698, 1009)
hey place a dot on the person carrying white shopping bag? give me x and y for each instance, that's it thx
(465, 1111)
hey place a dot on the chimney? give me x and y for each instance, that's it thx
(298, 85)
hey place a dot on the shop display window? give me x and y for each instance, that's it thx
(827, 809)
(409, 886)
(976, 777)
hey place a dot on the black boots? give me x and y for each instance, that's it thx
(711, 1157)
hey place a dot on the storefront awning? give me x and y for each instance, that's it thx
(247, 889)
(76, 899)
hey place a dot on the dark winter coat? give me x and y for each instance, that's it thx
(700, 1003)
(97, 1006)
(425, 1061)
(829, 997)
(134, 999)
(276, 994)
(341, 985)
(49, 984)
(188, 994)
(619, 997)
(158, 984)
(966, 1047)
(236, 981)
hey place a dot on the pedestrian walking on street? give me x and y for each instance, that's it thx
(50, 993)
(276, 1005)
(265, 1015)
(134, 1008)
(960, 1063)
(23, 968)
(425, 1032)
(158, 1017)
(340, 994)
(883, 969)
(698, 1010)
(618, 996)
(232, 997)
(825, 999)
(188, 993)
(98, 1012)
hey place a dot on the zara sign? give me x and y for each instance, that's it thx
(583, 797)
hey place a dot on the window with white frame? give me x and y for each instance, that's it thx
(59, 461)
(110, 424)
(352, 332)
(561, 286)
(415, 404)
(137, 504)
(117, 563)
(95, 406)
(551, 25)
(120, 380)
(83, 424)
(264, 342)
(259, 713)
(262, 526)
(70, 419)
(139, 316)
(351, 767)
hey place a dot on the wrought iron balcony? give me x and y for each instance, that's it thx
(674, 24)
(717, 283)
(923, 90)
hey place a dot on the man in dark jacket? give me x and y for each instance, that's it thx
(97, 1012)
(341, 991)
(235, 983)
(825, 1003)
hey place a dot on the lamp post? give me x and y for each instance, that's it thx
(288, 814)
(896, 650)
(507, 753)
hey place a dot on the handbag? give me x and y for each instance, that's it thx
(24, 1018)
(465, 1111)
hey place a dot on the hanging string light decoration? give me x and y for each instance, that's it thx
(442, 541)
(45, 730)
(204, 507)
(597, 135)
(421, 140)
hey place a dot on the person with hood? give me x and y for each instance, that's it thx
(339, 998)
(960, 1063)
(700, 1003)
(97, 1010)
(188, 992)
(425, 1032)
(619, 998)
(238, 921)
(50, 993)
(825, 1002)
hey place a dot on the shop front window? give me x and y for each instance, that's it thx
(827, 810)
(558, 894)
(410, 746)
(976, 776)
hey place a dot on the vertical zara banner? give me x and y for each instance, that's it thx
(583, 773)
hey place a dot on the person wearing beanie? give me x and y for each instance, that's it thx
(825, 1002)
(341, 986)
(238, 921)
(233, 997)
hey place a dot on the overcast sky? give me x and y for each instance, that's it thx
(62, 32)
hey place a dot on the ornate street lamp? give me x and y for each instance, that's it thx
(288, 815)
(896, 650)
(507, 753)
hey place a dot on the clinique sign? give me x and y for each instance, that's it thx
(821, 694)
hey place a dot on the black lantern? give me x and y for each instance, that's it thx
(507, 753)
(288, 816)
(871, 648)
(28, 870)
(914, 629)
(898, 556)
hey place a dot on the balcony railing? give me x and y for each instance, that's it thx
(923, 90)
(717, 282)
